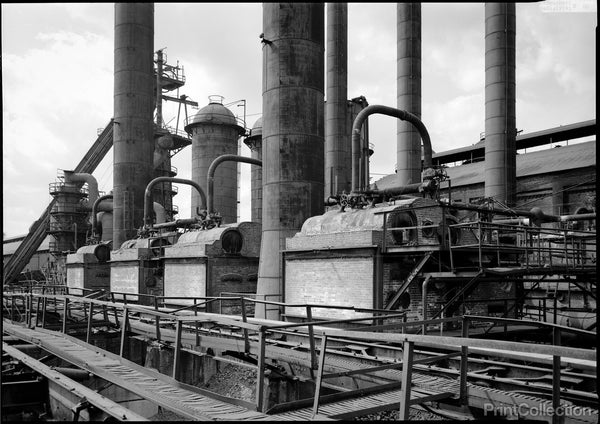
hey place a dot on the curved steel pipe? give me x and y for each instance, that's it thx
(390, 111)
(210, 179)
(95, 210)
(82, 177)
(148, 194)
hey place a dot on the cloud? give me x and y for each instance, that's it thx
(55, 97)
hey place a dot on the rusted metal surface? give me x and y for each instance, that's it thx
(133, 143)
(293, 132)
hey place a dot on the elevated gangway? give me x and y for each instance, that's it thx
(393, 381)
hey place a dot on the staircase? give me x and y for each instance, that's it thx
(392, 303)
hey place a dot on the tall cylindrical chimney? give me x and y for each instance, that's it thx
(254, 142)
(293, 133)
(133, 140)
(338, 148)
(408, 85)
(500, 103)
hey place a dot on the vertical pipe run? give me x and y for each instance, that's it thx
(337, 143)
(500, 103)
(408, 85)
(133, 141)
(293, 133)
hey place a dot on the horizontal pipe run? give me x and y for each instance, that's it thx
(211, 174)
(390, 111)
(177, 223)
(148, 195)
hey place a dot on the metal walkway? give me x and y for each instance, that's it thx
(190, 402)
(179, 398)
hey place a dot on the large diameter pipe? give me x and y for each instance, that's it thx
(133, 129)
(500, 103)
(390, 111)
(81, 177)
(337, 149)
(293, 133)
(210, 179)
(95, 208)
(148, 195)
(408, 86)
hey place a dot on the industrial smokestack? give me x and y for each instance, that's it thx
(133, 138)
(500, 94)
(254, 142)
(293, 133)
(408, 85)
(337, 138)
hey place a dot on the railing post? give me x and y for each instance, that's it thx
(37, 312)
(157, 319)
(311, 341)
(28, 309)
(177, 353)
(123, 330)
(88, 335)
(260, 374)
(558, 416)
(44, 306)
(407, 358)
(464, 369)
(320, 371)
(244, 320)
(479, 247)
(65, 311)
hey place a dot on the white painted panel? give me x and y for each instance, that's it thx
(332, 281)
(125, 279)
(185, 280)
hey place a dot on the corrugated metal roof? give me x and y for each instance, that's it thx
(557, 159)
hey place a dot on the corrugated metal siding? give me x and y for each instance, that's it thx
(563, 158)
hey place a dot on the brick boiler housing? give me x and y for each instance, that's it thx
(349, 259)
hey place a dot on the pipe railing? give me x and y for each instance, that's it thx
(210, 179)
(408, 342)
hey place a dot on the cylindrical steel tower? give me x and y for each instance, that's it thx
(500, 103)
(408, 84)
(215, 132)
(293, 132)
(338, 172)
(133, 138)
(254, 142)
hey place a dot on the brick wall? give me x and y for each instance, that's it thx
(232, 275)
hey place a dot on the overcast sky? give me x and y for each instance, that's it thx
(57, 80)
